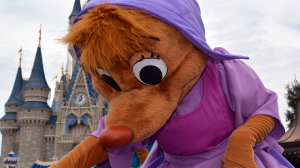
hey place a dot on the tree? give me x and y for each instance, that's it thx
(290, 114)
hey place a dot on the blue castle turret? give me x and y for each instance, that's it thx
(37, 77)
(16, 97)
(16, 94)
(36, 88)
(34, 113)
(9, 123)
(76, 8)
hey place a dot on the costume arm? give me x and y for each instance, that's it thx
(249, 99)
(86, 154)
(142, 154)
(239, 151)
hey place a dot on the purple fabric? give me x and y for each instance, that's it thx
(186, 106)
(104, 164)
(157, 161)
(211, 159)
(213, 119)
(281, 160)
(153, 154)
(182, 14)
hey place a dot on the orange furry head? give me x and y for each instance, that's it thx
(109, 34)
(115, 39)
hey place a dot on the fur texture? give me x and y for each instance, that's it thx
(111, 34)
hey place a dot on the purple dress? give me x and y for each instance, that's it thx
(202, 129)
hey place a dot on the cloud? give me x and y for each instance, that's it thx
(266, 31)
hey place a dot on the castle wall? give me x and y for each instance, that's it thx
(36, 94)
(49, 149)
(9, 124)
(17, 143)
(32, 145)
(7, 145)
(49, 146)
(12, 107)
(34, 114)
(8, 129)
(60, 151)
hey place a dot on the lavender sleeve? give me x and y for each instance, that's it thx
(247, 96)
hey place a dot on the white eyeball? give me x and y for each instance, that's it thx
(150, 71)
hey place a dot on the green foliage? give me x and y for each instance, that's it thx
(290, 114)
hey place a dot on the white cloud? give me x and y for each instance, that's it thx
(266, 31)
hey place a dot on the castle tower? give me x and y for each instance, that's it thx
(34, 114)
(81, 103)
(9, 124)
(75, 11)
(59, 96)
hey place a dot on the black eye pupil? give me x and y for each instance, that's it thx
(109, 80)
(151, 75)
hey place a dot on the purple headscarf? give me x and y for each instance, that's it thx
(181, 14)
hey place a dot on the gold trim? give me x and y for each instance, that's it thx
(40, 36)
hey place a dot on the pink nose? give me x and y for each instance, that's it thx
(116, 137)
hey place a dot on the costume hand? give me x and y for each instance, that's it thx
(86, 154)
(239, 151)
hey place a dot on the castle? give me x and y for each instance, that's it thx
(34, 130)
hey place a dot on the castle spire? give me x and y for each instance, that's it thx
(37, 77)
(76, 8)
(16, 96)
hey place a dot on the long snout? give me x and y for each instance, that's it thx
(136, 115)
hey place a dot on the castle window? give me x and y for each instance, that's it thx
(15, 120)
(42, 89)
(16, 105)
(51, 127)
(31, 88)
(42, 110)
(28, 110)
(4, 120)
(8, 106)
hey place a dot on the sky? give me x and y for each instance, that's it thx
(267, 31)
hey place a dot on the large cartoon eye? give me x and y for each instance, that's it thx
(150, 71)
(108, 79)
